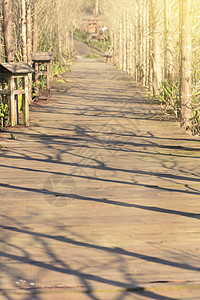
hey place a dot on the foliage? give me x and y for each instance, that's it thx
(57, 68)
(4, 113)
(62, 66)
(196, 109)
(81, 36)
(143, 46)
(88, 5)
(101, 44)
(92, 55)
(169, 96)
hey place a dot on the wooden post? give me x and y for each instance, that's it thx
(36, 79)
(48, 80)
(45, 60)
(11, 73)
(13, 115)
(26, 102)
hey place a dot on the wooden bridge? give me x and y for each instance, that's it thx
(99, 196)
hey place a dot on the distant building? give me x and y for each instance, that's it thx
(94, 26)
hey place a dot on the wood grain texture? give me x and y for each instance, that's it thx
(99, 194)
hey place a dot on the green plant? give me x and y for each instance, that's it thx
(57, 68)
(37, 87)
(169, 96)
(103, 45)
(20, 102)
(62, 66)
(4, 113)
(80, 35)
(12, 136)
(92, 55)
(195, 120)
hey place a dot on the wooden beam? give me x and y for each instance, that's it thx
(26, 103)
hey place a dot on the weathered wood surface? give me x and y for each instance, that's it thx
(100, 194)
(42, 56)
(16, 68)
(45, 58)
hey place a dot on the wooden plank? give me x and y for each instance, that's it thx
(19, 92)
(26, 103)
(94, 197)
(42, 56)
(4, 92)
(17, 68)
(12, 105)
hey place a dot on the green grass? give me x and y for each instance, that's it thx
(80, 36)
(100, 44)
(97, 43)
(91, 56)
(58, 68)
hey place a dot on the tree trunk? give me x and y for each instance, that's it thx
(1, 48)
(144, 25)
(24, 45)
(155, 47)
(29, 46)
(35, 28)
(7, 28)
(124, 40)
(136, 35)
(185, 62)
(28, 31)
(167, 41)
(147, 46)
(57, 10)
(96, 11)
(121, 44)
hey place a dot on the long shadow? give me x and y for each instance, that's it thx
(102, 248)
(156, 187)
(107, 201)
(86, 139)
(101, 166)
(109, 145)
(143, 207)
(64, 268)
(85, 278)
(82, 276)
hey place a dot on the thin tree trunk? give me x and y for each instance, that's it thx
(7, 28)
(147, 46)
(28, 31)
(121, 44)
(127, 27)
(136, 42)
(168, 61)
(185, 62)
(131, 47)
(1, 48)
(124, 39)
(96, 11)
(24, 45)
(139, 64)
(155, 48)
(29, 46)
(35, 29)
(57, 8)
(143, 44)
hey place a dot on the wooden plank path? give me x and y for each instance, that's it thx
(99, 196)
